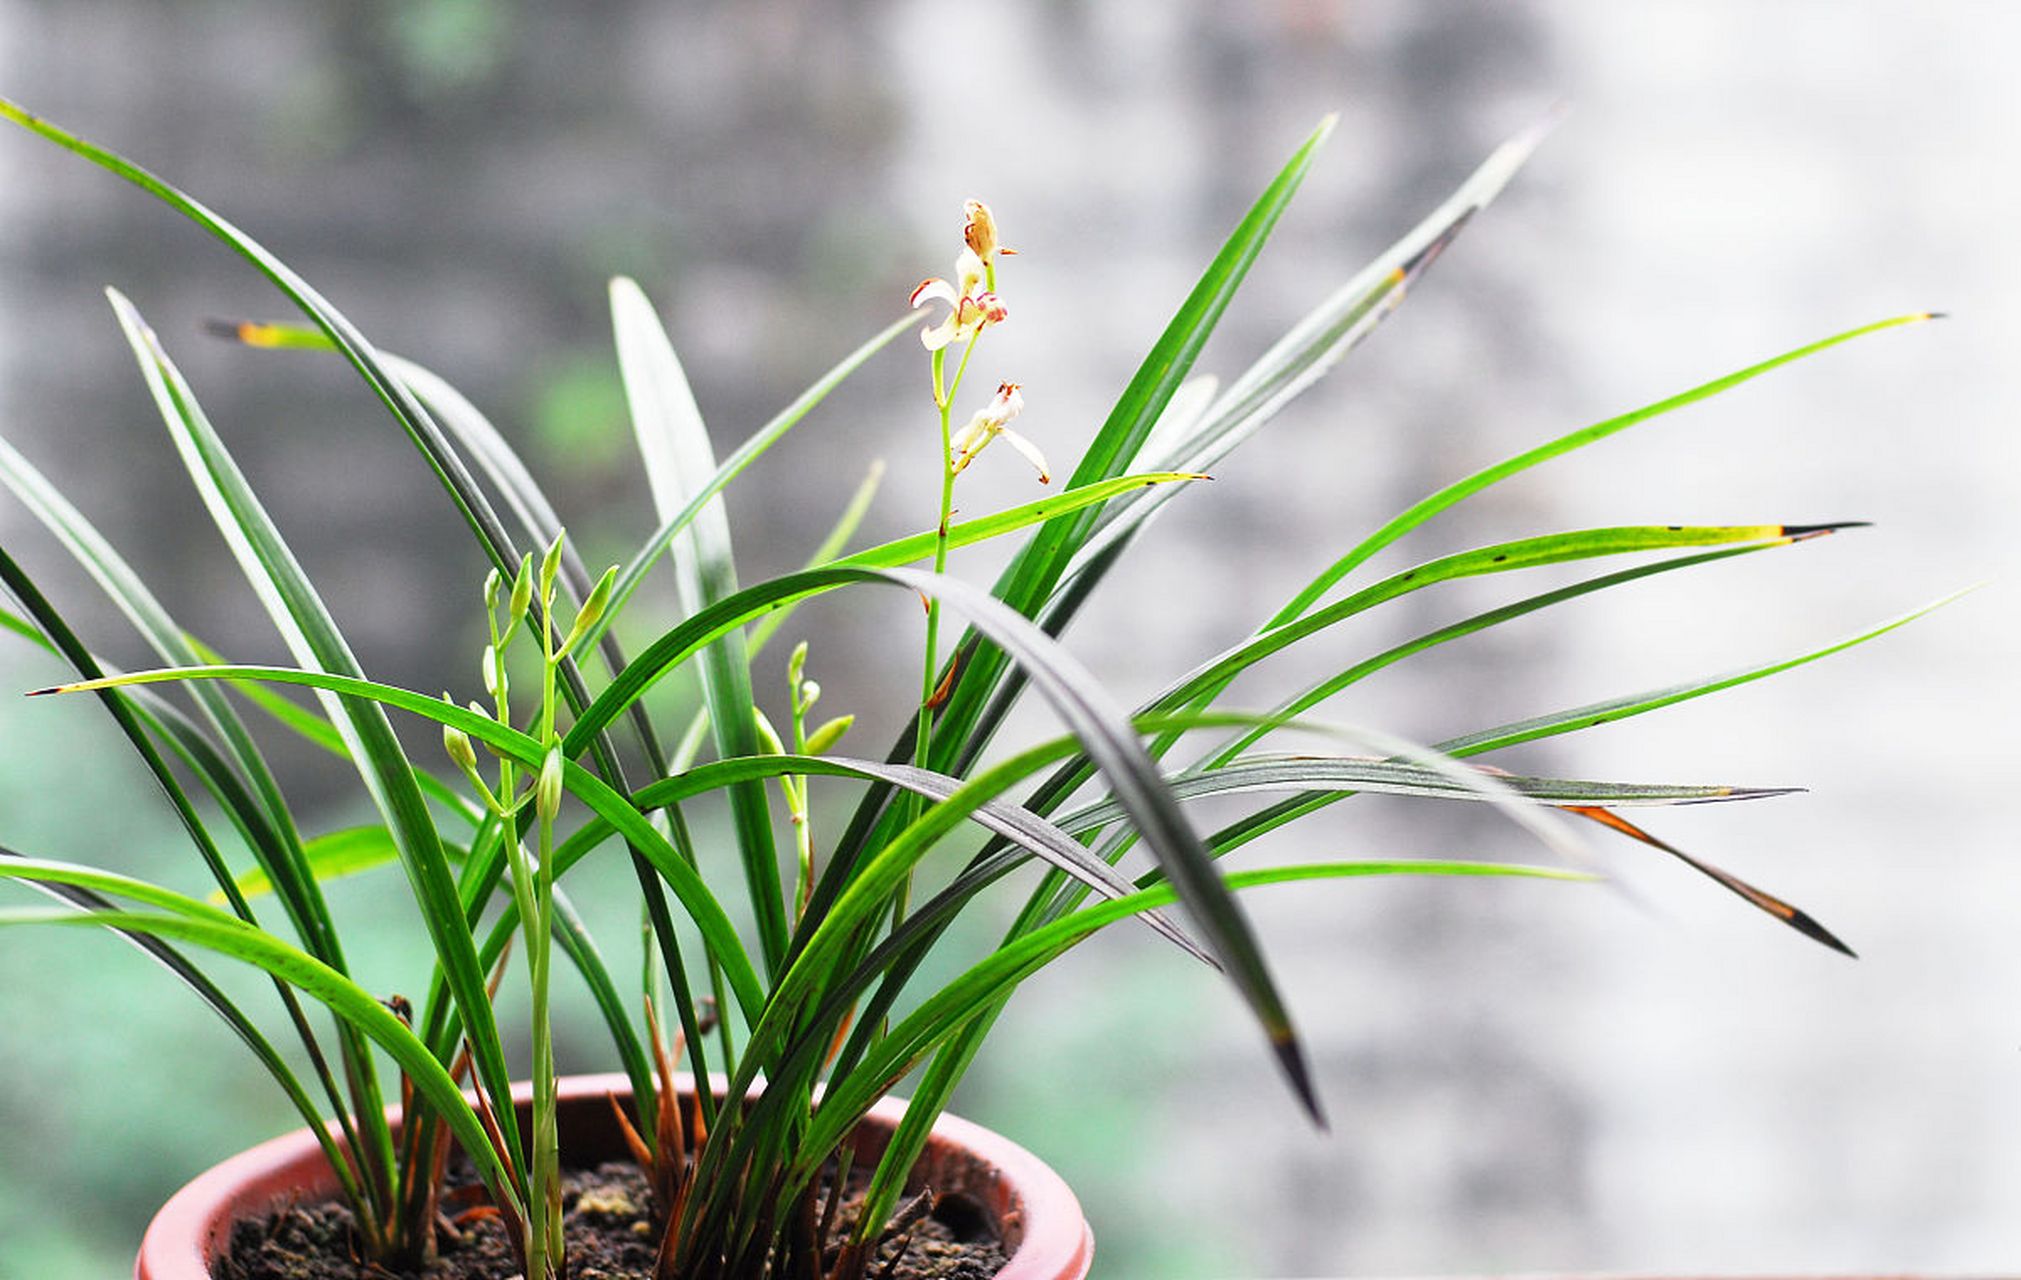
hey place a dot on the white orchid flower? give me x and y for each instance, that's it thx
(971, 307)
(993, 421)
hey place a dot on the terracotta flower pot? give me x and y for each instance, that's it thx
(1034, 1211)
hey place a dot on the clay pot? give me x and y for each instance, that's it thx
(1034, 1211)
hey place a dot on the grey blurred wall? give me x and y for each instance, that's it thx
(1521, 1077)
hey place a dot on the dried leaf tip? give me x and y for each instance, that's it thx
(1291, 1060)
(1800, 532)
(1816, 932)
(75, 686)
(254, 334)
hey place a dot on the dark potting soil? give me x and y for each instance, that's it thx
(609, 1230)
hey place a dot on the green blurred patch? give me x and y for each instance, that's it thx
(451, 44)
(577, 408)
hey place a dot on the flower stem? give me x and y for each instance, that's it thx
(923, 736)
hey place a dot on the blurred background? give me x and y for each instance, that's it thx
(1521, 1076)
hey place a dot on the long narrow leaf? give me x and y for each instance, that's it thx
(1612, 710)
(1460, 490)
(1320, 340)
(1393, 777)
(678, 457)
(947, 1010)
(241, 1026)
(312, 636)
(611, 806)
(311, 976)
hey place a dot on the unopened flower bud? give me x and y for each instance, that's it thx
(457, 744)
(491, 591)
(768, 737)
(593, 609)
(828, 734)
(492, 673)
(550, 567)
(522, 591)
(979, 230)
(547, 791)
(810, 693)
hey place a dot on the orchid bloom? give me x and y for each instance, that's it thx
(993, 421)
(971, 306)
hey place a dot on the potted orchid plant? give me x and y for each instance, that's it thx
(796, 1162)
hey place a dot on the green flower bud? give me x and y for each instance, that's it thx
(491, 591)
(810, 693)
(547, 791)
(768, 737)
(819, 741)
(522, 592)
(494, 675)
(593, 609)
(457, 744)
(550, 567)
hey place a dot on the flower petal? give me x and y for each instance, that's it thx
(934, 337)
(934, 289)
(1030, 452)
(968, 272)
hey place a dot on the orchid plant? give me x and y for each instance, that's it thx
(820, 1008)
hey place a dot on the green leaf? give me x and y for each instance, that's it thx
(345, 336)
(1031, 577)
(241, 1026)
(337, 854)
(610, 805)
(920, 546)
(312, 636)
(1460, 490)
(838, 537)
(975, 991)
(1317, 343)
(1025, 830)
(132, 722)
(1394, 777)
(1611, 710)
(1206, 681)
(1088, 711)
(312, 727)
(678, 457)
(342, 996)
(269, 828)
(648, 554)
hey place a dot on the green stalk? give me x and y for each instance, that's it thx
(928, 682)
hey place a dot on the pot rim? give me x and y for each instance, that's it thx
(1056, 1242)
